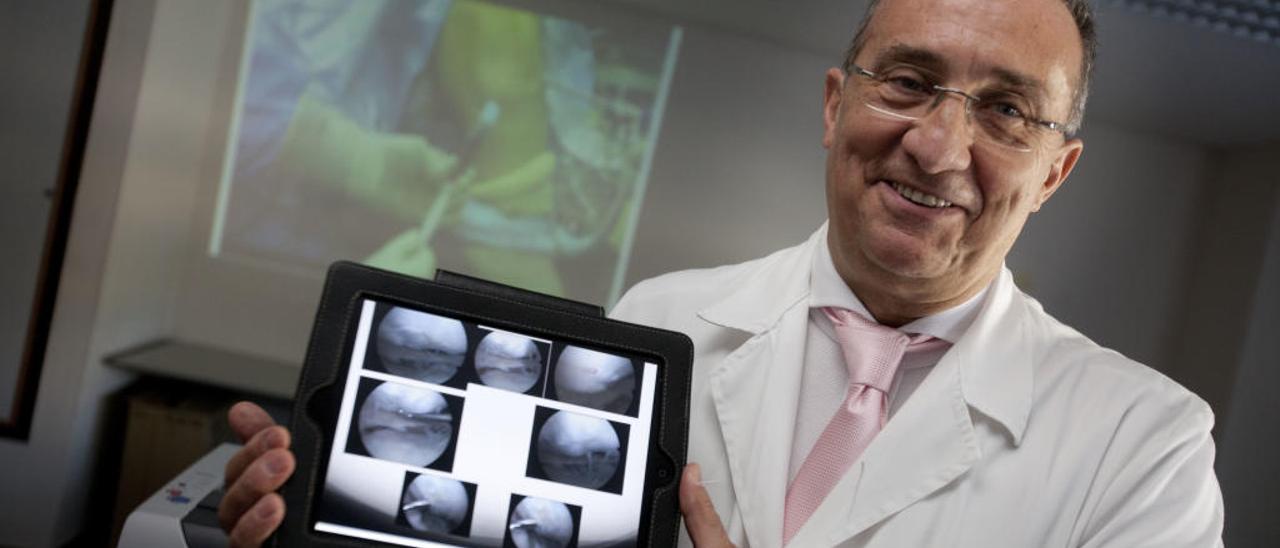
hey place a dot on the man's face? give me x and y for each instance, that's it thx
(885, 243)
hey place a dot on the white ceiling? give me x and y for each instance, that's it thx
(1153, 74)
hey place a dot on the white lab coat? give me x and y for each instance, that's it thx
(1025, 434)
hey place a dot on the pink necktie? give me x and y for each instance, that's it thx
(872, 353)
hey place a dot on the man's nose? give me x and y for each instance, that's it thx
(942, 140)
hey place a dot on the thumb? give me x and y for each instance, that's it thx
(700, 517)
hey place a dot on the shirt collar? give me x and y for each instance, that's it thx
(995, 354)
(827, 288)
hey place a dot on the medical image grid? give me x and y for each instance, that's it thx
(414, 381)
(435, 349)
(591, 378)
(534, 522)
(576, 449)
(407, 424)
(436, 505)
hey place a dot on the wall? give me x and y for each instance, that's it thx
(739, 167)
(110, 298)
(1237, 203)
(40, 47)
(39, 52)
(1108, 254)
(1249, 448)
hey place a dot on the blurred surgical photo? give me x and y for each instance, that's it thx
(405, 424)
(464, 134)
(435, 504)
(420, 346)
(510, 361)
(541, 523)
(578, 450)
(594, 379)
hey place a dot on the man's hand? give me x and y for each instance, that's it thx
(251, 510)
(700, 518)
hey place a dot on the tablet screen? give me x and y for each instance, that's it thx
(456, 433)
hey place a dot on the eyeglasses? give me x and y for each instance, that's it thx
(1002, 119)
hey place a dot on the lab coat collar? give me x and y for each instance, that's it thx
(933, 440)
(756, 388)
(995, 352)
(997, 358)
(780, 282)
(929, 443)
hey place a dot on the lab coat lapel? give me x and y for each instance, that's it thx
(756, 388)
(926, 445)
(931, 440)
(756, 393)
(929, 443)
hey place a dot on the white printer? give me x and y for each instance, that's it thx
(184, 513)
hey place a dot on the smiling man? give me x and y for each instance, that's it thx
(885, 383)
(948, 125)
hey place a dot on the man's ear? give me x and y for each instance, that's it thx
(832, 94)
(1066, 159)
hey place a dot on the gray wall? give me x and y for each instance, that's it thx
(739, 166)
(1249, 448)
(1243, 300)
(39, 51)
(1237, 205)
(1108, 254)
(43, 501)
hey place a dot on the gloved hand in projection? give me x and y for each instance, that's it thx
(521, 191)
(397, 173)
(408, 253)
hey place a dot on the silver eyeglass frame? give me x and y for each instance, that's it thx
(969, 101)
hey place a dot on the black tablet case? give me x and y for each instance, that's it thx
(318, 395)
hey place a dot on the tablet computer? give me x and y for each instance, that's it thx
(459, 412)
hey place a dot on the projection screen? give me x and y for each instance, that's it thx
(462, 134)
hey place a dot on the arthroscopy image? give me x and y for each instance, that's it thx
(406, 424)
(435, 504)
(541, 523)
(596, 379)
(469, 135)
(420, 346)
(576, 449)
(510, 361)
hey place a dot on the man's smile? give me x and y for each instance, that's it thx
(906, 201)
(918, 197)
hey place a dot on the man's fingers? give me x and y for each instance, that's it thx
(260, 479)
(258, 523)
(273, 437)
(247, 419)
(700, 518)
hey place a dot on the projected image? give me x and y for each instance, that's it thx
(436, 504)
(462, 134)
(421, 346)
(509, 361)
(541, 523)
(577, 450)
(405, 424)
(595, 379)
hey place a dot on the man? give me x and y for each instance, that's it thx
(947, 127)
